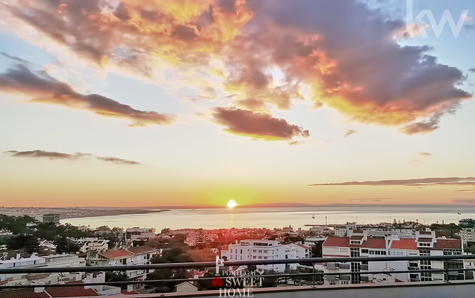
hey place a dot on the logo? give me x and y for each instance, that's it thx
(425, 19)
(235, 283)
(217, 282)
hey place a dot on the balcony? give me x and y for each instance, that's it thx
(309, 283)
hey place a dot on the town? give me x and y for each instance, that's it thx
(42, 242)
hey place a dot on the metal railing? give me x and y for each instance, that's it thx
(194, 265)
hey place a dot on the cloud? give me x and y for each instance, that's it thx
(471, 70)
(349, 132)
(426, 154)
(412, 30)
(358, 68)
(259, 125)
(42, 88)
(45, 154)
(14, 58)
(75, 156)
(406, 182)
(339, 53)
(118, 160)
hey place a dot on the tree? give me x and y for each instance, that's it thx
(117, 276)
(293, 239)
(26, 243)
(64, 245)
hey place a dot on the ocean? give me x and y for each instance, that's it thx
(296, 217)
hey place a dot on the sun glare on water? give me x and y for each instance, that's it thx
(231, 204)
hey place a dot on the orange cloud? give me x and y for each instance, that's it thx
(258, 125)
(265, 52)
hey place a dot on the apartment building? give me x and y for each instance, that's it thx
(249, 250)
(359, 244)
(468, 235)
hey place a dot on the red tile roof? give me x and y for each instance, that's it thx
(374, 243)
(77, 291)
(447, 244)
(404, 244)
(23, 293)
(337, 241)
(116, 254)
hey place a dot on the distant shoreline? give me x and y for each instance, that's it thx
(65, 213)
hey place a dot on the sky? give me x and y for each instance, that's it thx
(196, 102)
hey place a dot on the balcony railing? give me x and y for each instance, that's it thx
(308, 262)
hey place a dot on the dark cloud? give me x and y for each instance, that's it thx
(406, 182)
(118, 160)
(42, 88)
(258, 125)
(45, 154)
(75, 156)
(471, 70)
(14, 58)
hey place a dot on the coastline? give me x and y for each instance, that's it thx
(66, 213)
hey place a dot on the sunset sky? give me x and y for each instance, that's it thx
(196, 102)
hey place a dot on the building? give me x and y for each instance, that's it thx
(141, 255)
(49, 218)
(140, 234)
(468, 234)
(35, 261)
(249, 250)
(359, 244)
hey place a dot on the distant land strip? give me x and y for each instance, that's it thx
(74, 212)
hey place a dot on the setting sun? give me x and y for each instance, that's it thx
(231, 204)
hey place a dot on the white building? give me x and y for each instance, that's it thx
(251, 250)
(359, 244)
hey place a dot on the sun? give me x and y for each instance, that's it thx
(231, 204)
